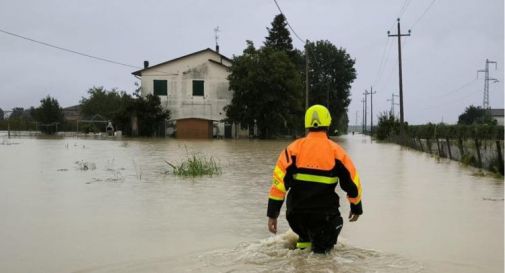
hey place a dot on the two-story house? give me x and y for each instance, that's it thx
(194, 88)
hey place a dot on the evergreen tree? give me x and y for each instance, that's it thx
(279, 37)
(267, 91)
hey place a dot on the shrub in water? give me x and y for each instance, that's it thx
(196, 165)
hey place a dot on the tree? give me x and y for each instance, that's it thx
(387, 126)
(267, 90)
(149, 114)
(49, 114)
(1, 114)
(331, 72)
(122, 118)
(17, 113)
(120, 107)
(278, 36)
(476, 115)
(101, 101)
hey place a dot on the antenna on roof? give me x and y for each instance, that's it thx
(216, 37)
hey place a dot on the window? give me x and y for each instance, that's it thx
(198, 88)
(160, 87)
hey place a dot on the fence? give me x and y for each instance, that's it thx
(477, 145)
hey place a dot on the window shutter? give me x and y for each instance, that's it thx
(160, 87)
(198, 88)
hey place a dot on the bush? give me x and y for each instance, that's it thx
(196, 165)
(387, 127)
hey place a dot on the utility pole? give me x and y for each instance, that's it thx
(485, 101)
(363, 118)
(400, 35)
(366, 106)
(8, 123)
(306, 74)
(356, 120)
(392, 100)
(371, 110)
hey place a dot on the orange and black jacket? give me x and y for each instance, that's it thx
(308, 171)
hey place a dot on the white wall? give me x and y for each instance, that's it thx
(180, 75)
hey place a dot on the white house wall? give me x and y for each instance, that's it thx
(180, 74)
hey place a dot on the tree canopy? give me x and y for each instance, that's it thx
(267, 91)
(476, 115)
(120, 108)
(331, 72)
(268, 83)
(149, 113)
(101, 101)
(49, 114)
(278, 36)
(17, 113)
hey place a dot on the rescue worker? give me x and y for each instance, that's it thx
(308, 171)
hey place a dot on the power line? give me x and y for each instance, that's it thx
(424, 13)
(457, 89)
(451, 100)
(384, 63)
(442, 96)
(381, 62)
(404, 8)
(82, 54)
(287, 22)
(68, 50)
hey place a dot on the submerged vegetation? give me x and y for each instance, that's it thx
(477, 144)
(196, 165)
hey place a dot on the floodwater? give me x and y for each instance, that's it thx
(90, 205)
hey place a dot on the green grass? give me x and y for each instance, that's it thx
(196, 165)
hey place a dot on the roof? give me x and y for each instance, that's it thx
(218, 63)
(73, 108)
(139, 72)
(496, 112)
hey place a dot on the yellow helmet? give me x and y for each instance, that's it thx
(317, 116)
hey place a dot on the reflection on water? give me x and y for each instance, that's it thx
(84, 205)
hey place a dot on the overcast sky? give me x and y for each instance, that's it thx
(440, 60)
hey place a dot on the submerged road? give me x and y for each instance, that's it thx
(124, 213)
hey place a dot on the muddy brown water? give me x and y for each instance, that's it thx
(95, 205)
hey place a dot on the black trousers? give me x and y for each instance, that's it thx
(321, 230)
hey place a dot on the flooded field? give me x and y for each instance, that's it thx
(91, 205)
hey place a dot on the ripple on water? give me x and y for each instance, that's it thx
(275, 254)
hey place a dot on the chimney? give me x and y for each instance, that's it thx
(146, 64)
(217, 48)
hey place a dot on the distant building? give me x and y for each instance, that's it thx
(72, 113)
(497, 114)
(194, 88)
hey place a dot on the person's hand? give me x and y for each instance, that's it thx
(272, 225)
(353, 217)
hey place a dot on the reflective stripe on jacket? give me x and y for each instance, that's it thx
(308, 171)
